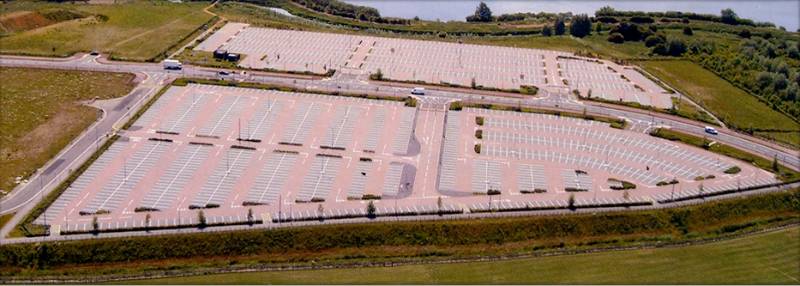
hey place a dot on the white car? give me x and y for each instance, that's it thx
(418, 91)
(711, 130)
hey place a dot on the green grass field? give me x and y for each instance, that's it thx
(770, 258)
(139, 30)
(727, 102)
(46, 114)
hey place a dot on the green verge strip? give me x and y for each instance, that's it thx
(26, 226)
(614, 123)
(409, 241)
(409, 101)
(784, 173)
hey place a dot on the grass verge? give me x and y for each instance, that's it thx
(43, 111)
(783, 173)
(412, 241)
(135, 30)
(775, 252)
(409, 101)
(613, 122)
(735, 107)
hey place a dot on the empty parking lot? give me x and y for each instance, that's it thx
(280, 156)
(435, 62)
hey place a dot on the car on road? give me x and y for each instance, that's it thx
(224, 73)
(94, 53)
(711, 130)
(418, 91)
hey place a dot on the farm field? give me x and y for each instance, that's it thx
(46, 114)
(764, 258)
(125, 31)
(727, 102)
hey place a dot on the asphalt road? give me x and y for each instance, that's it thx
(24, 197)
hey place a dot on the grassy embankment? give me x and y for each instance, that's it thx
(138, 30)
(370, 243)
(45, 113)
(769, 258)
(784, 173)
(727, 102)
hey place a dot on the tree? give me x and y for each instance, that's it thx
(473, 84)
(571, 202)
(775, 163)
(147, 222)
(547, 31)
(321, 212)
(616, 38)
(201, 219)
(482, 14)
(598, 27)
(371, 209)
(581, 26)
(559, 26)
(729, 17)
(95, 226)
(378, 75)
(250, 217)
(688, 31)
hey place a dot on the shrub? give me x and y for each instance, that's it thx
(477, 148)
(653, 40)
(479, 134)
(733, 170)
(688, 31)
(479, 120)
(547, 31)
(616, 38)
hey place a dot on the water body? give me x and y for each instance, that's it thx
(784, 13)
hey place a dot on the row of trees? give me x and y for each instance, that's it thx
(727, 16)
(342, 9)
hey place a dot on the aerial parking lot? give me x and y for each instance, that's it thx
(243, 155)
(432, 62)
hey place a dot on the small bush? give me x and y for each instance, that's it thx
(733, 170)
(479, 120)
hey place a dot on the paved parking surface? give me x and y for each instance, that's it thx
(435, 62)
(292, 156)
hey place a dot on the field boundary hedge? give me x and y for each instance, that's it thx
(707, 220)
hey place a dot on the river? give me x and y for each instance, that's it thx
(784, 13)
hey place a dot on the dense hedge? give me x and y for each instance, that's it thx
(702, 219)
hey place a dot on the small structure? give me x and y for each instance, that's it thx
(220, 54)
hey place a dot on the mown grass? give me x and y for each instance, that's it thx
(43, 112)
(396, 241)
(783, 172)
(769, 258)
(138, 30)
(730, 104)
(5, 218)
